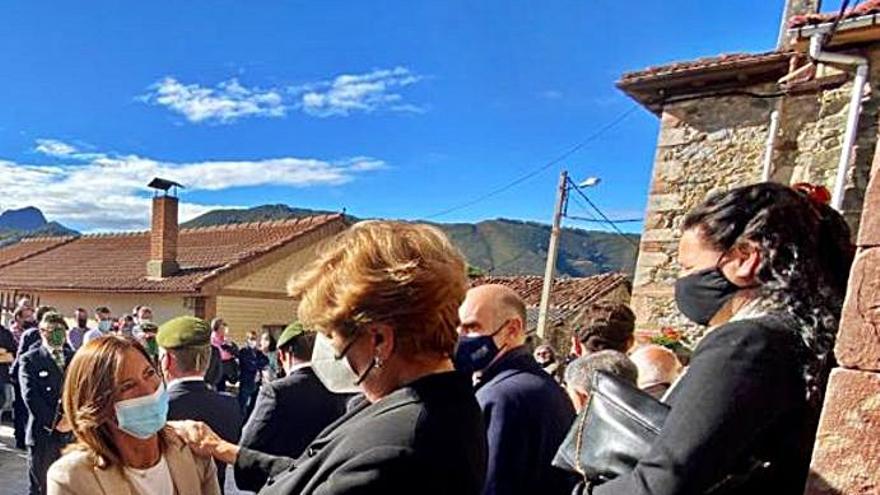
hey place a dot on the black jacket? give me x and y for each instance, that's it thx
(743, 398)
(527, 416)
(290, 412)
(41, 386)
(194, 400)
(7, 342)
(425, 438)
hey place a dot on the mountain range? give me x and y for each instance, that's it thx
(498, 247)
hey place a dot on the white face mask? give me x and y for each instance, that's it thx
(336, 374)
(104, 325)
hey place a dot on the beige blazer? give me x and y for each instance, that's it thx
(75, 474)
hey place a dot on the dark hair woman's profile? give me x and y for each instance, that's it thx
(765, 267)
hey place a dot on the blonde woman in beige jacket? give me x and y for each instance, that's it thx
(116, 404)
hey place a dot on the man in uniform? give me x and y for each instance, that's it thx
(291, 411)
(184, 353)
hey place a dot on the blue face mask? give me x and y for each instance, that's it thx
(476, 352)
(142, 417)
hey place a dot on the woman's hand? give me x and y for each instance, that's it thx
(204, 442)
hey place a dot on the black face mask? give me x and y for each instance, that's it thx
(701, 295)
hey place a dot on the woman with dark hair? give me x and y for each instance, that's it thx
(269, 348)
(765, 267)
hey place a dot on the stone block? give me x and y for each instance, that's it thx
(652, 259)
(664, 202)
(869, 233)
(858, 341)
(673, 136)
(846, 459)
(660, 235)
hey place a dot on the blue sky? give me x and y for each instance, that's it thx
(396, 109)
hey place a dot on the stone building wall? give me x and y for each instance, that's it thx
(713, 144)
(846, 458)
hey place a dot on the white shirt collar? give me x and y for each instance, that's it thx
(186, 379)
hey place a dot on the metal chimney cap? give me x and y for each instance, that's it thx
(161, 184)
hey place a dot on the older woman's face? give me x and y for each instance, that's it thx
(137, 377)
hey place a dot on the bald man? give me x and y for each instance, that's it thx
(658, 368)
(526, 413)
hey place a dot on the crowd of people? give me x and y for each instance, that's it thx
(396, 377)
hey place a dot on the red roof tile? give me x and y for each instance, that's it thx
(117, 262)
(720, 62)
(569, 296)
(866, 8)
(29, 247)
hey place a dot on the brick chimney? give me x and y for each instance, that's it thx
(163, 237)
(791, 9)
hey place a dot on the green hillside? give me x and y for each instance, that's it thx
(500, 247)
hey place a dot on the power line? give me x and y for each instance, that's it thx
(604, 217)
(540, 169)
(597, 220)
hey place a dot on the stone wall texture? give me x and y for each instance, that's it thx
(846, 458)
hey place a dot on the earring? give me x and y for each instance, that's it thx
(377, 362)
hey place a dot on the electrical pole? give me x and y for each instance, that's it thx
(552, 252)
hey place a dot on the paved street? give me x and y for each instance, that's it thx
(13, 467)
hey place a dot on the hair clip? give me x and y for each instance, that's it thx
(815, 192)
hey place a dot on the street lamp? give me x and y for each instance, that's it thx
(590, 182)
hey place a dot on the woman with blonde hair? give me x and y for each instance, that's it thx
(384, 298)
(116, 404)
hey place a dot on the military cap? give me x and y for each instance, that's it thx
(184, 331)
(290, 332)
(52, 318)
(149, 327)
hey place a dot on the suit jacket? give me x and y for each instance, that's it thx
(7, 342)
(194, 400)
(426, 438)
(290, 412)
(28, 339)
(527, 417)
(214, 373)
(743, 396)
(41, 386)
(76, 474)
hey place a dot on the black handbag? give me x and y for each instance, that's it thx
(615, 430)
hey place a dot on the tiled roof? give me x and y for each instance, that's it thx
(866, 8)
(117, 262)
(568, 296)
(731, 61)
(29, 247)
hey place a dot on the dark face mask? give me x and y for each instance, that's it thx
(475, 353)
(702, 294)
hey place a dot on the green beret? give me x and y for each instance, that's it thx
(52, 318)
(184, 331)
(149, 327)
(290, 332)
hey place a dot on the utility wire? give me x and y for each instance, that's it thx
(601, 214)
(596, 220)
(540, 169)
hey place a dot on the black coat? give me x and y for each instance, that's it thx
(194, 400)
(743, 397)
(527, 417)
(214, 373)
(7, 342)
(425, 438)
(41, 386)
(289, 414)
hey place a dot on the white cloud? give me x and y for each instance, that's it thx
(350, 93)
(108, 191)
(53, 147)
(225, 103)
(341, 96)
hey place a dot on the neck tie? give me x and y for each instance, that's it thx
(58, 356)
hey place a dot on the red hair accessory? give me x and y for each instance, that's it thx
(815, 192)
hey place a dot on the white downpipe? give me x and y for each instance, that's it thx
(855, 109)
(771, 143)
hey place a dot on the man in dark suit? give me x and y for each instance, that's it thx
(184, 355)
(41, 375)
(527, 414)
(290, 412)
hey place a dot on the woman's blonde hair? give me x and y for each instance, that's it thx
(408, 276)
(90, 389)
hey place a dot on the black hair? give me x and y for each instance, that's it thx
(301, 346)
(806, 253)
(273, 342)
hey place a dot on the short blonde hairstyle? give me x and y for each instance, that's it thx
(408, 276)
